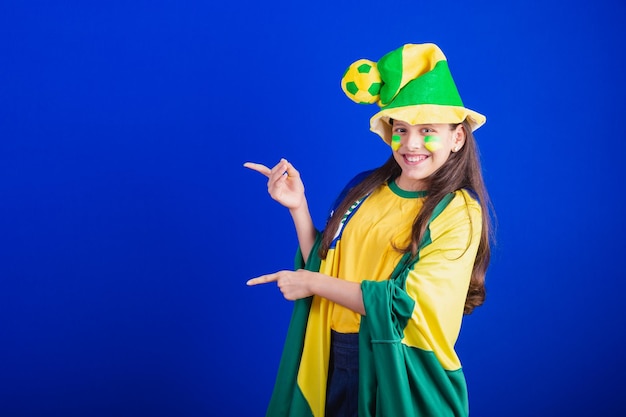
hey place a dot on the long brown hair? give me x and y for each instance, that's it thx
(461, 170)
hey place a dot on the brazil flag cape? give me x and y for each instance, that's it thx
(395, 380)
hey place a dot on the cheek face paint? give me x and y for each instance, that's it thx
(395, 142)
(432, 143)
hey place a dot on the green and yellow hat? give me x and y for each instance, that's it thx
(413, 84)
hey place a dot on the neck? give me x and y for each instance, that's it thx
(410, 185)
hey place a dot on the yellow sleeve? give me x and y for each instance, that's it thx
(439, 281)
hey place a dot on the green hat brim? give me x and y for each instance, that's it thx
(423, 114)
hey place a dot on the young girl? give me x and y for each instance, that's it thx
(381, 291)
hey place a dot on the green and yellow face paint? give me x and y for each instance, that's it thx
(395, 142)
(432, 143)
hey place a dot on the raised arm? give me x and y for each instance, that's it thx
(286, 187)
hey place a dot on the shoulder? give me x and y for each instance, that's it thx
(465, 199)
(462, 209)
(356, 180)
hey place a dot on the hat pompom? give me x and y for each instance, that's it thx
(361, 82)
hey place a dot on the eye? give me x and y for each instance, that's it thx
(427, 130)
(399, 130)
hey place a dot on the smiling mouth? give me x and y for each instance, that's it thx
(414, 159)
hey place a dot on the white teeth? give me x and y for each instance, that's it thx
(415, 158)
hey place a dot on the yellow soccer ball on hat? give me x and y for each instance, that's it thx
(361, 82)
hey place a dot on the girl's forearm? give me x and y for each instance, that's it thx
(345, 293)
(305, 229)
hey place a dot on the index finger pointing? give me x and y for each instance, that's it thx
(263, 279)
(258, 168)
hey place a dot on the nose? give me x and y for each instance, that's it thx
(414, 141)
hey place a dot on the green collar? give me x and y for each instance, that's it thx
(403, 193)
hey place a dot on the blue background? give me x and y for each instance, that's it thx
(128, 225)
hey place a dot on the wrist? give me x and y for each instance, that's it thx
(300, 208)
(314, 279)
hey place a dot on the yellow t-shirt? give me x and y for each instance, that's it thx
(365, 248)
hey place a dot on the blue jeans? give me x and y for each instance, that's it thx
(342, 395)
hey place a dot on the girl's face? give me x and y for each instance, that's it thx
(420, 150)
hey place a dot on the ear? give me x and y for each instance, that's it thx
(458, 138)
